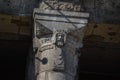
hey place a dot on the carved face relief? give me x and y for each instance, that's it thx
(60, 39)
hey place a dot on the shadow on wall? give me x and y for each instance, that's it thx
(13, 59)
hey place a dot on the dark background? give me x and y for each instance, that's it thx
(96, 62)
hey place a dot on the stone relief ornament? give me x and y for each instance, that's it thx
(55, 48)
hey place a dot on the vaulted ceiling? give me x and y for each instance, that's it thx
(102, 11)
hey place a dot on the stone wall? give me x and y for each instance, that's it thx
(14, 26)
(102, 11)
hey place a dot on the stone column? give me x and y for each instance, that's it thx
(56, 25)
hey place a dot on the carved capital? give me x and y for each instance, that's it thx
(56, 55)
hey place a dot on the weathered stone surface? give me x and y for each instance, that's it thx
(102, 11)
(60, 13)
(57, 57)
(59, 20)
(53, 58)
(58, 5)
(17, 7)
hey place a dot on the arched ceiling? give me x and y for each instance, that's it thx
(102, 11)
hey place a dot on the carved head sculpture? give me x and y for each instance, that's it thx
(59, 39)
